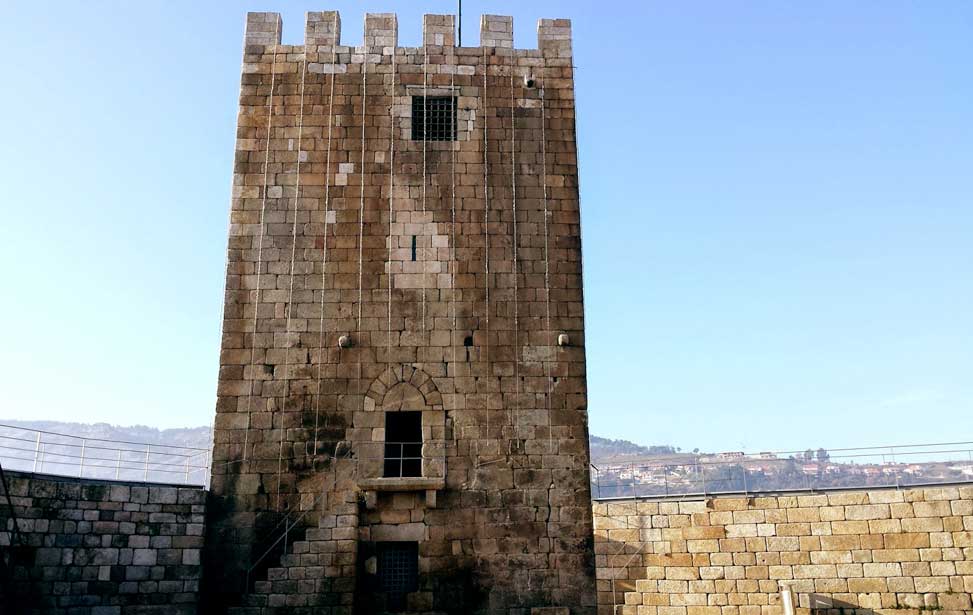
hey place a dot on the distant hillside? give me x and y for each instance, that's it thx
(624, 468)
(602, 449)
(195, 437)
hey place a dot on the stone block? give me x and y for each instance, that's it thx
(120, 493)
(403, 532)
(889, 569)
(931, 585)
(906, 541)
(163, 495)
(144, 557)
(867, 511)
(932, 509)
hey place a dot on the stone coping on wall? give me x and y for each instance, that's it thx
(95, 481)
(696, 497)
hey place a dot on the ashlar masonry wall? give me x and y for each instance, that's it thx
(879, 551)
(370, 272)
(86, 547)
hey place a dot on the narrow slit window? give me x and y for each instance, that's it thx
(433, 118)
(398, 572)
(403, 444)
(413, 248)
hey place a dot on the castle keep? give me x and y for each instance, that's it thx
(401, 424)
(402, 421)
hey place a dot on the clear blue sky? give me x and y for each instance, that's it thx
(777, 198)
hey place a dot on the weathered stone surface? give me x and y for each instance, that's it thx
(121, 561)
(855, 556)
(450, 269)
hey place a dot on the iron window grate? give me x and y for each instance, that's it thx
(433, 118)
(398, 572)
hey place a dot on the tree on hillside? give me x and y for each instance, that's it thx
(823, 455)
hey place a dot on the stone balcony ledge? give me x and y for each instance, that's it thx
(372, 486)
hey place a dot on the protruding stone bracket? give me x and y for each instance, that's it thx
(381, 30)
(497, 31)
(439, 30)
(371, 500)
(322, 29)
(262, 29)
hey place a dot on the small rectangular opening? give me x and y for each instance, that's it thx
(403, 444)
(433, 118)
(398, 572)
(413, 248)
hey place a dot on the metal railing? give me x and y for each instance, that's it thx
(693, 475)
(291, 520)
(46, 452)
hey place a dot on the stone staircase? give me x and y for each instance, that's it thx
(316, 576)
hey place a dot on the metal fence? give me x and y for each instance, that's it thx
(45, 452)
(810, 470)
(681, 475)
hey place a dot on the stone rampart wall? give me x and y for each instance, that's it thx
(89, 547)
(878, 551)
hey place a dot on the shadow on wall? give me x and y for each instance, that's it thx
(70, 544)
(819, 604)
(824, 605)
(17, 593)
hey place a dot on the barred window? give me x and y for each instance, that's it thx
(398, 572)
(433, 118)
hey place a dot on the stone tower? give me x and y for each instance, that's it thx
(402, 419)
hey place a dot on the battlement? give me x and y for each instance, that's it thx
(323, 28)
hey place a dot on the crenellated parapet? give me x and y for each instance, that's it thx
(323, 29)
